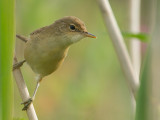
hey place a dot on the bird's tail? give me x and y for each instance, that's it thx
(23, 38)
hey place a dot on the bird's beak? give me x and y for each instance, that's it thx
(87, 34)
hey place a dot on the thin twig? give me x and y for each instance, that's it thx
(119, 45)
(135, 28)
(135, 44)
(24, 91)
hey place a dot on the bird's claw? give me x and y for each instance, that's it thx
(27, 104)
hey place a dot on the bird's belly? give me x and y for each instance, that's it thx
(45, 66)
(44, 62)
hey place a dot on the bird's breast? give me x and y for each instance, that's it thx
(46, 59)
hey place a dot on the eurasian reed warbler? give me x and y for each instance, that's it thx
(47, 47)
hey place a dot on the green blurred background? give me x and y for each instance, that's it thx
(90, 85)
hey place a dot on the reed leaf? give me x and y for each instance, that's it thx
(6, 56)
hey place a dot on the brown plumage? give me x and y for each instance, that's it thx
(47, 47)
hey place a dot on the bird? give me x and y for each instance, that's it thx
(47, 47)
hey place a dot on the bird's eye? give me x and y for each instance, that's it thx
(72, 27)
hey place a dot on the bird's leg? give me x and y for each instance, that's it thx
(30, 100)
(18, 65)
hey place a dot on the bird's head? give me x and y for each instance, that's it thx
(72, 29)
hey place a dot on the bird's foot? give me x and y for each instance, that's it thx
(27, 104)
